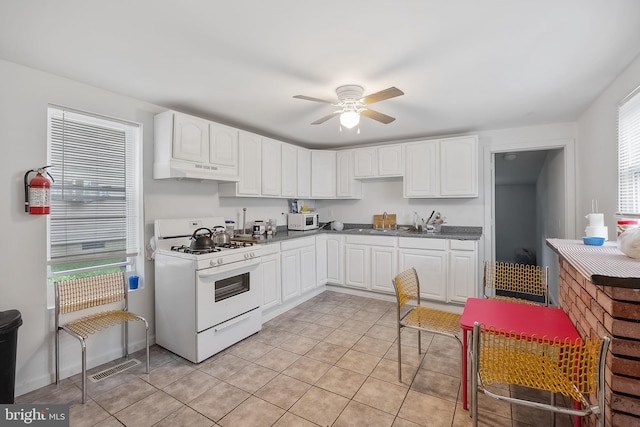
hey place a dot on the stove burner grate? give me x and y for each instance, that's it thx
(188, 250)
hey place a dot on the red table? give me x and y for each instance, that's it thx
(527, 320)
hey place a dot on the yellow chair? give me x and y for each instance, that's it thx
(407, 287)
(85, 293)
(574, 369)
(524, 284)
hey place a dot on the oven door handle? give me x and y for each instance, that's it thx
(215, 271)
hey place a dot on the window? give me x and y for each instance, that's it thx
(629, 155)
(95, 199)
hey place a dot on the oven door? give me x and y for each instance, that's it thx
(226, 292)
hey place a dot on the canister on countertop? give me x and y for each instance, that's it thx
(625, 224)
(231, 226)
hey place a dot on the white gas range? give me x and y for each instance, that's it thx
(205, 300)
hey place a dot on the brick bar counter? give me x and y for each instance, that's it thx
(599, 288)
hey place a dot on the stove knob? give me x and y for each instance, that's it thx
(252, 255)
(212, 263)
(219, 261)
(246, 256)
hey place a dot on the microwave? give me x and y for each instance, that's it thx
(302, 221)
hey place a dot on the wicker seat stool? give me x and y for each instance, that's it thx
(85, 293)
(420, 318)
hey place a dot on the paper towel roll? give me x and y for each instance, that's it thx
(597, 232)
(595, 220)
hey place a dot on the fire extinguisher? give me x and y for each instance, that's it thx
(37, 192)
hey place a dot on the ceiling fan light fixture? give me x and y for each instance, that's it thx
(349, 119)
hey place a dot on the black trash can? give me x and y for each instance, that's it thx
(10, 321)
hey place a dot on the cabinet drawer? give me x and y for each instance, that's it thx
(270, 248)
(298, 243)
(371, 240)
(422, 243)
(462, 245)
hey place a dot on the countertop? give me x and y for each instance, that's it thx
(446, 232)
(603, 265)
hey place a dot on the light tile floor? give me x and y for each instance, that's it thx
(330, 361)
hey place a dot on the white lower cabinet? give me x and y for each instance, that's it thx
(463, 267)
(384, 267)
(356, 266)
(447, 269)
(370, 262)
(321, 259)
(431, 266)
(298, 262)
(271, 290)
(335, 259)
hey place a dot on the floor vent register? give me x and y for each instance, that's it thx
(120, 367)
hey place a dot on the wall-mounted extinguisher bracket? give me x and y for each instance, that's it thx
(37, 192)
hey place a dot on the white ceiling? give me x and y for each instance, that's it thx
(464, 65)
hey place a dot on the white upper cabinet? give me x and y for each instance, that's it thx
(323, 174)
(271, 167)
(304, 173)
(442, 168)
(383, 161)
(190, 147)
(250, 167)
(365, 163)
(289, 171)
(223, 146)
(421, 177)
(346, 186)
(390, 160)
(190, 138)
(459, 167)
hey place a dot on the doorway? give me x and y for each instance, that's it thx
(531, 195)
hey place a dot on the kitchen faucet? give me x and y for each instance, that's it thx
(384, 218)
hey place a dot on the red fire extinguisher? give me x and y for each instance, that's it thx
(37, 192)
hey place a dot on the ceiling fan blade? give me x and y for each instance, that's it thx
(310, 98)
(382, 118)
(391, 92)
(325, 118)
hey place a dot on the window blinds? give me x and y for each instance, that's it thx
(94, 199)
(629, 156)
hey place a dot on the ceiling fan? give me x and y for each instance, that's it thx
(351, 104)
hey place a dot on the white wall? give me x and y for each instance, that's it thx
(597, 164)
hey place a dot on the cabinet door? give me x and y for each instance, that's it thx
(323, 174)
(289, 171)
(304, 173)
(344, 174)
(384, 267)
(357, 266)
(321, 259)
(335, 260)
(290, 263)
(270, 281)
(462, 275)
(250, 166)
(223, 145)
(422, 170)
(308, 268)
(365, 163)
(431, 267)
(390, 160)
(271, 167)
(459, 167)
(190, 138)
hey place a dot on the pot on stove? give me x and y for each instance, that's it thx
(201, 241)
(220, 236)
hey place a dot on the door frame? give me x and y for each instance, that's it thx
(565, 144)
